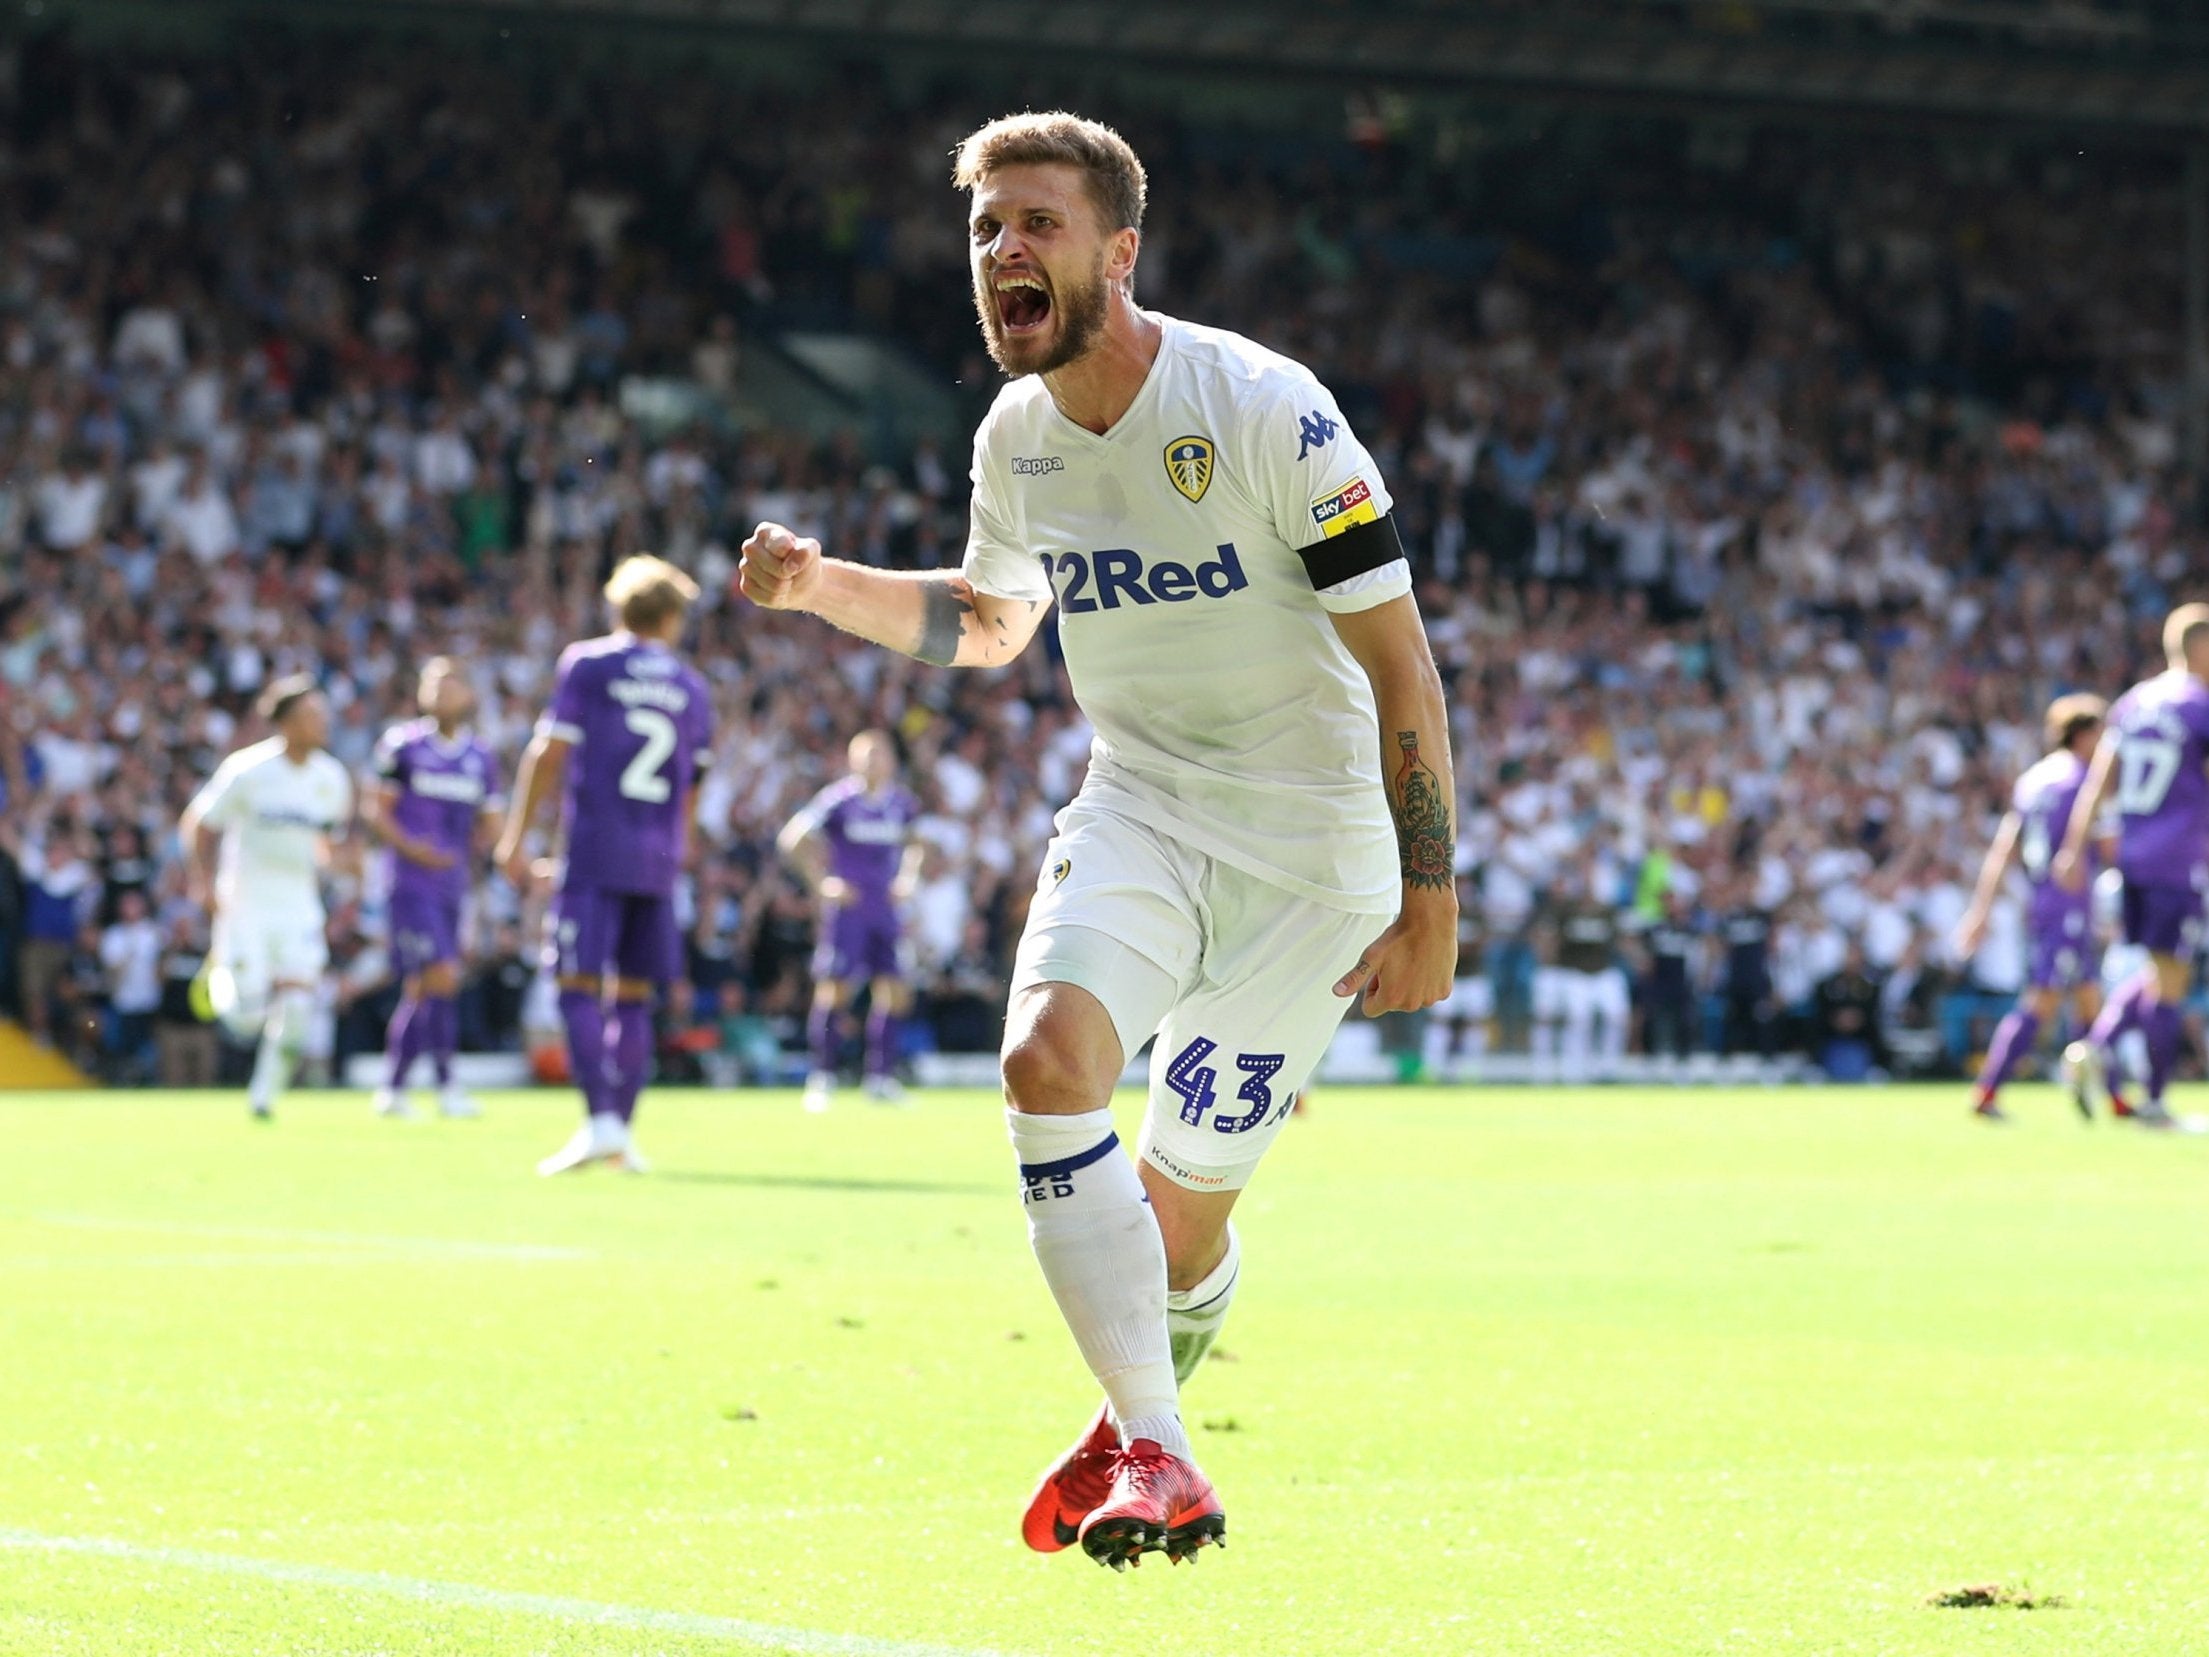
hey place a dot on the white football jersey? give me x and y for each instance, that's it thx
(1227, 711)
(272, 815)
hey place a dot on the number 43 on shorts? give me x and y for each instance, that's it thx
(1196, 1084)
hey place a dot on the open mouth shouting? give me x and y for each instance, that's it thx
(1023, 305)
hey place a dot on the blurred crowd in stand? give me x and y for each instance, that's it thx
(1762, 492)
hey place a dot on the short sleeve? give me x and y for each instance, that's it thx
(1315, 478)
(563, 720)
(221, 799)
(816, 814)
(995, 563)
(389, 761)
(1368, 589)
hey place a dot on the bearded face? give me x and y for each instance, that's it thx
(1033, 325)
(1040, 256)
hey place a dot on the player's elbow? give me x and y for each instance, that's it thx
(1407, 680)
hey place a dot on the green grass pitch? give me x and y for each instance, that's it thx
(1608, 1374)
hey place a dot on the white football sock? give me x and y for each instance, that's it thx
(282, 1035)
(1614, 1047)
(1543, 1046)
(1577, 1042)
(1194, 1316)
(1434, 1044)
(1098, 1244)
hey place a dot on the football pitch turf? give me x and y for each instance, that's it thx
(1620, 1372)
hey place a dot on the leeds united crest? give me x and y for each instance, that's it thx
(1189, 465)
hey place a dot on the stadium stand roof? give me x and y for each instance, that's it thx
(2133, 64)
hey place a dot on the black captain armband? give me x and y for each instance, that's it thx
(1358, 550)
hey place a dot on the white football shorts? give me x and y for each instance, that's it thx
(1577, 997)
(1234, 975)
(255, 950)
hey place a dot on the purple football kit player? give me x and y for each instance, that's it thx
(629, 730)
(2153, 760)
(853, 844)
(2063, 957)
(436, 784)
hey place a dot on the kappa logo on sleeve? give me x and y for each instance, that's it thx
(1352, 504)
(1316, 431)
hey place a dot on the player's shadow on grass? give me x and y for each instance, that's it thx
(824, 1182)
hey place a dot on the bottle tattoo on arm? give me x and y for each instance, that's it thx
(1423, 835)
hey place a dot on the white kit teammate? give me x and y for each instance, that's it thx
(1235, 610)
(275, 807)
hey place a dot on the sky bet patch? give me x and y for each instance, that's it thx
(1351, 504)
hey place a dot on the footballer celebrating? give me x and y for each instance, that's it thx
(1266, 826)
(436, 790)
(628, 733)
(274, 808)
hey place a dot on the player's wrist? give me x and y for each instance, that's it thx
(1430, 905)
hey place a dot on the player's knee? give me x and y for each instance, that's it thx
(441, 979)
(1051, 1065)
(1042, 1074)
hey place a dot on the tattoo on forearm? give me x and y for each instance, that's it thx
(1423, 835)
(943, 613)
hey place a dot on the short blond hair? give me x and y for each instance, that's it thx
(2180, 629)
(646, 591)
(1117, 183)
(2070, 717)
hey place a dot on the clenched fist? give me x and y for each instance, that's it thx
(781, 570)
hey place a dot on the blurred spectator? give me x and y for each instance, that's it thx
(81, 1011)
(749, 1046)
(1745, 933)
(1672, 1006)
(1847, 1042)
(501, 985)
(189, 1052)
(60, 894)
(130, 954)
(964, 1002)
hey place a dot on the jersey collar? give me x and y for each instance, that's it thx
(1146, 394)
